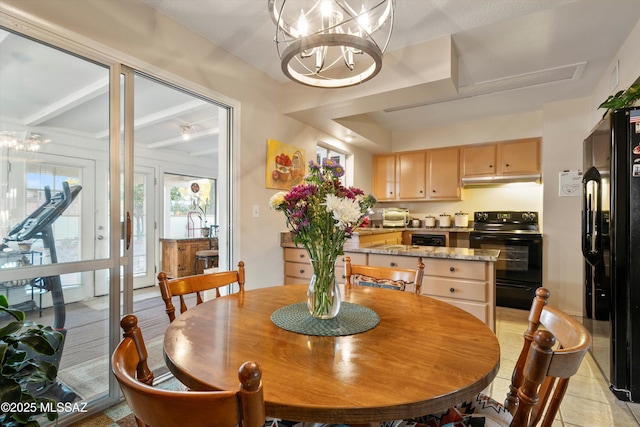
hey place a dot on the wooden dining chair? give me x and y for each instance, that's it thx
(197, 284)
(383, 277)
(554, 345)
(153, 407)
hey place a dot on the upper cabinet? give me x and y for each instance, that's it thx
(519, 157)
(443, 174)
(501, 162)
(417, 175)
(478, 160)
(412, 175)
(384, 177)
(439, 173)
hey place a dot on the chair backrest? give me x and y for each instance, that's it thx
(384, 277)
(549, 356)
(196, 285)
(154, 407)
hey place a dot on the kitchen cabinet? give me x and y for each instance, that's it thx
(417, 175)
(412, 174)
(357, 258)
(468, 285)
(478, 160)
(384, 177)
(297, 267)
(501, 159)
(519, 157)
(443, 174)
(391, 238)
(179, 256)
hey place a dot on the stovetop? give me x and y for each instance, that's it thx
(506, 221)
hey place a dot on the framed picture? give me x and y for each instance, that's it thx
(285, 165)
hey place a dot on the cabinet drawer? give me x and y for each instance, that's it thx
(456, 289)
(474, 270)
(297, 269)
(356, 258)
(408, 262)
(481, 311)
(296, 255)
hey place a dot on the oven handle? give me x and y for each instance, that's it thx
(482, 236)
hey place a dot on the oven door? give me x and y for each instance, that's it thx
(519, 265)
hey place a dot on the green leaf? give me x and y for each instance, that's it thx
(38, 343)
(10, 390)
(10, 329)
(17, 314)
(4, 302)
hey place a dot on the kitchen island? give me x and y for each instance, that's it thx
(460, 276)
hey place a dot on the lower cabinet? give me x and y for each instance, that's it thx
(179, 256)
(469, 285)
(297, 267)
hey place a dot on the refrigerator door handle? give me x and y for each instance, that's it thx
(592, 218)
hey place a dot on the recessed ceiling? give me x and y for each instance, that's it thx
(513, 55)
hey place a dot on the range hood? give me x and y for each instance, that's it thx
(478, 181)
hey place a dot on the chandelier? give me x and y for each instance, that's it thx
(19, 141)
(331, 43)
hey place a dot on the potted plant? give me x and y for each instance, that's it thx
(622, 99)
(23, 373)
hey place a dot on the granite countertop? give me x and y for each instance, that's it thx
(430, 251)
(424, 230)
(420, 251)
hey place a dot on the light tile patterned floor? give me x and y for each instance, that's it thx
(588, 402)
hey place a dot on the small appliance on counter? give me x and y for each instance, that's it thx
(461, 219)
(429, 221)
(415, 223)
(445, 220)
(395, 217)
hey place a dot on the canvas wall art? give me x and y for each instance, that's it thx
(285, 165)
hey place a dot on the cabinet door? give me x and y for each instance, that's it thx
(170, 258)
(478, 160)
(443, 181)
(185, 267)
(384, 177)
(519, 157)
(412, 175)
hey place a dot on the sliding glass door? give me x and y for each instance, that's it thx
(85, 149)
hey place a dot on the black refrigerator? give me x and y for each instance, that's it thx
(611, 248)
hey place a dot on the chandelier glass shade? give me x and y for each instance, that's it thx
(331, 43)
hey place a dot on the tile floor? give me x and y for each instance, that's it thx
(588, 401)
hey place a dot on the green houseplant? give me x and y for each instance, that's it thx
(622, 99)
(23, 374)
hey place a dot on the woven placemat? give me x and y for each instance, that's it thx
(352, 319)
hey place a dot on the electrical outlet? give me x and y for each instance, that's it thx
(256, 211)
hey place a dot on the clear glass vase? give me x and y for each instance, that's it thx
(323, 295)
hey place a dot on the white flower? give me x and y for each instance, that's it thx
(277, 199)
(346, 212)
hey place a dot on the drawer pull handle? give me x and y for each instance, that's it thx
(451, 269)
(393, 264)
(301, 271)
(452, 290)
(301, 255)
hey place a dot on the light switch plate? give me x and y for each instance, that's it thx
(256, 211)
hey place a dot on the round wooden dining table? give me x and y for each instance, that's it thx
(423, 356)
